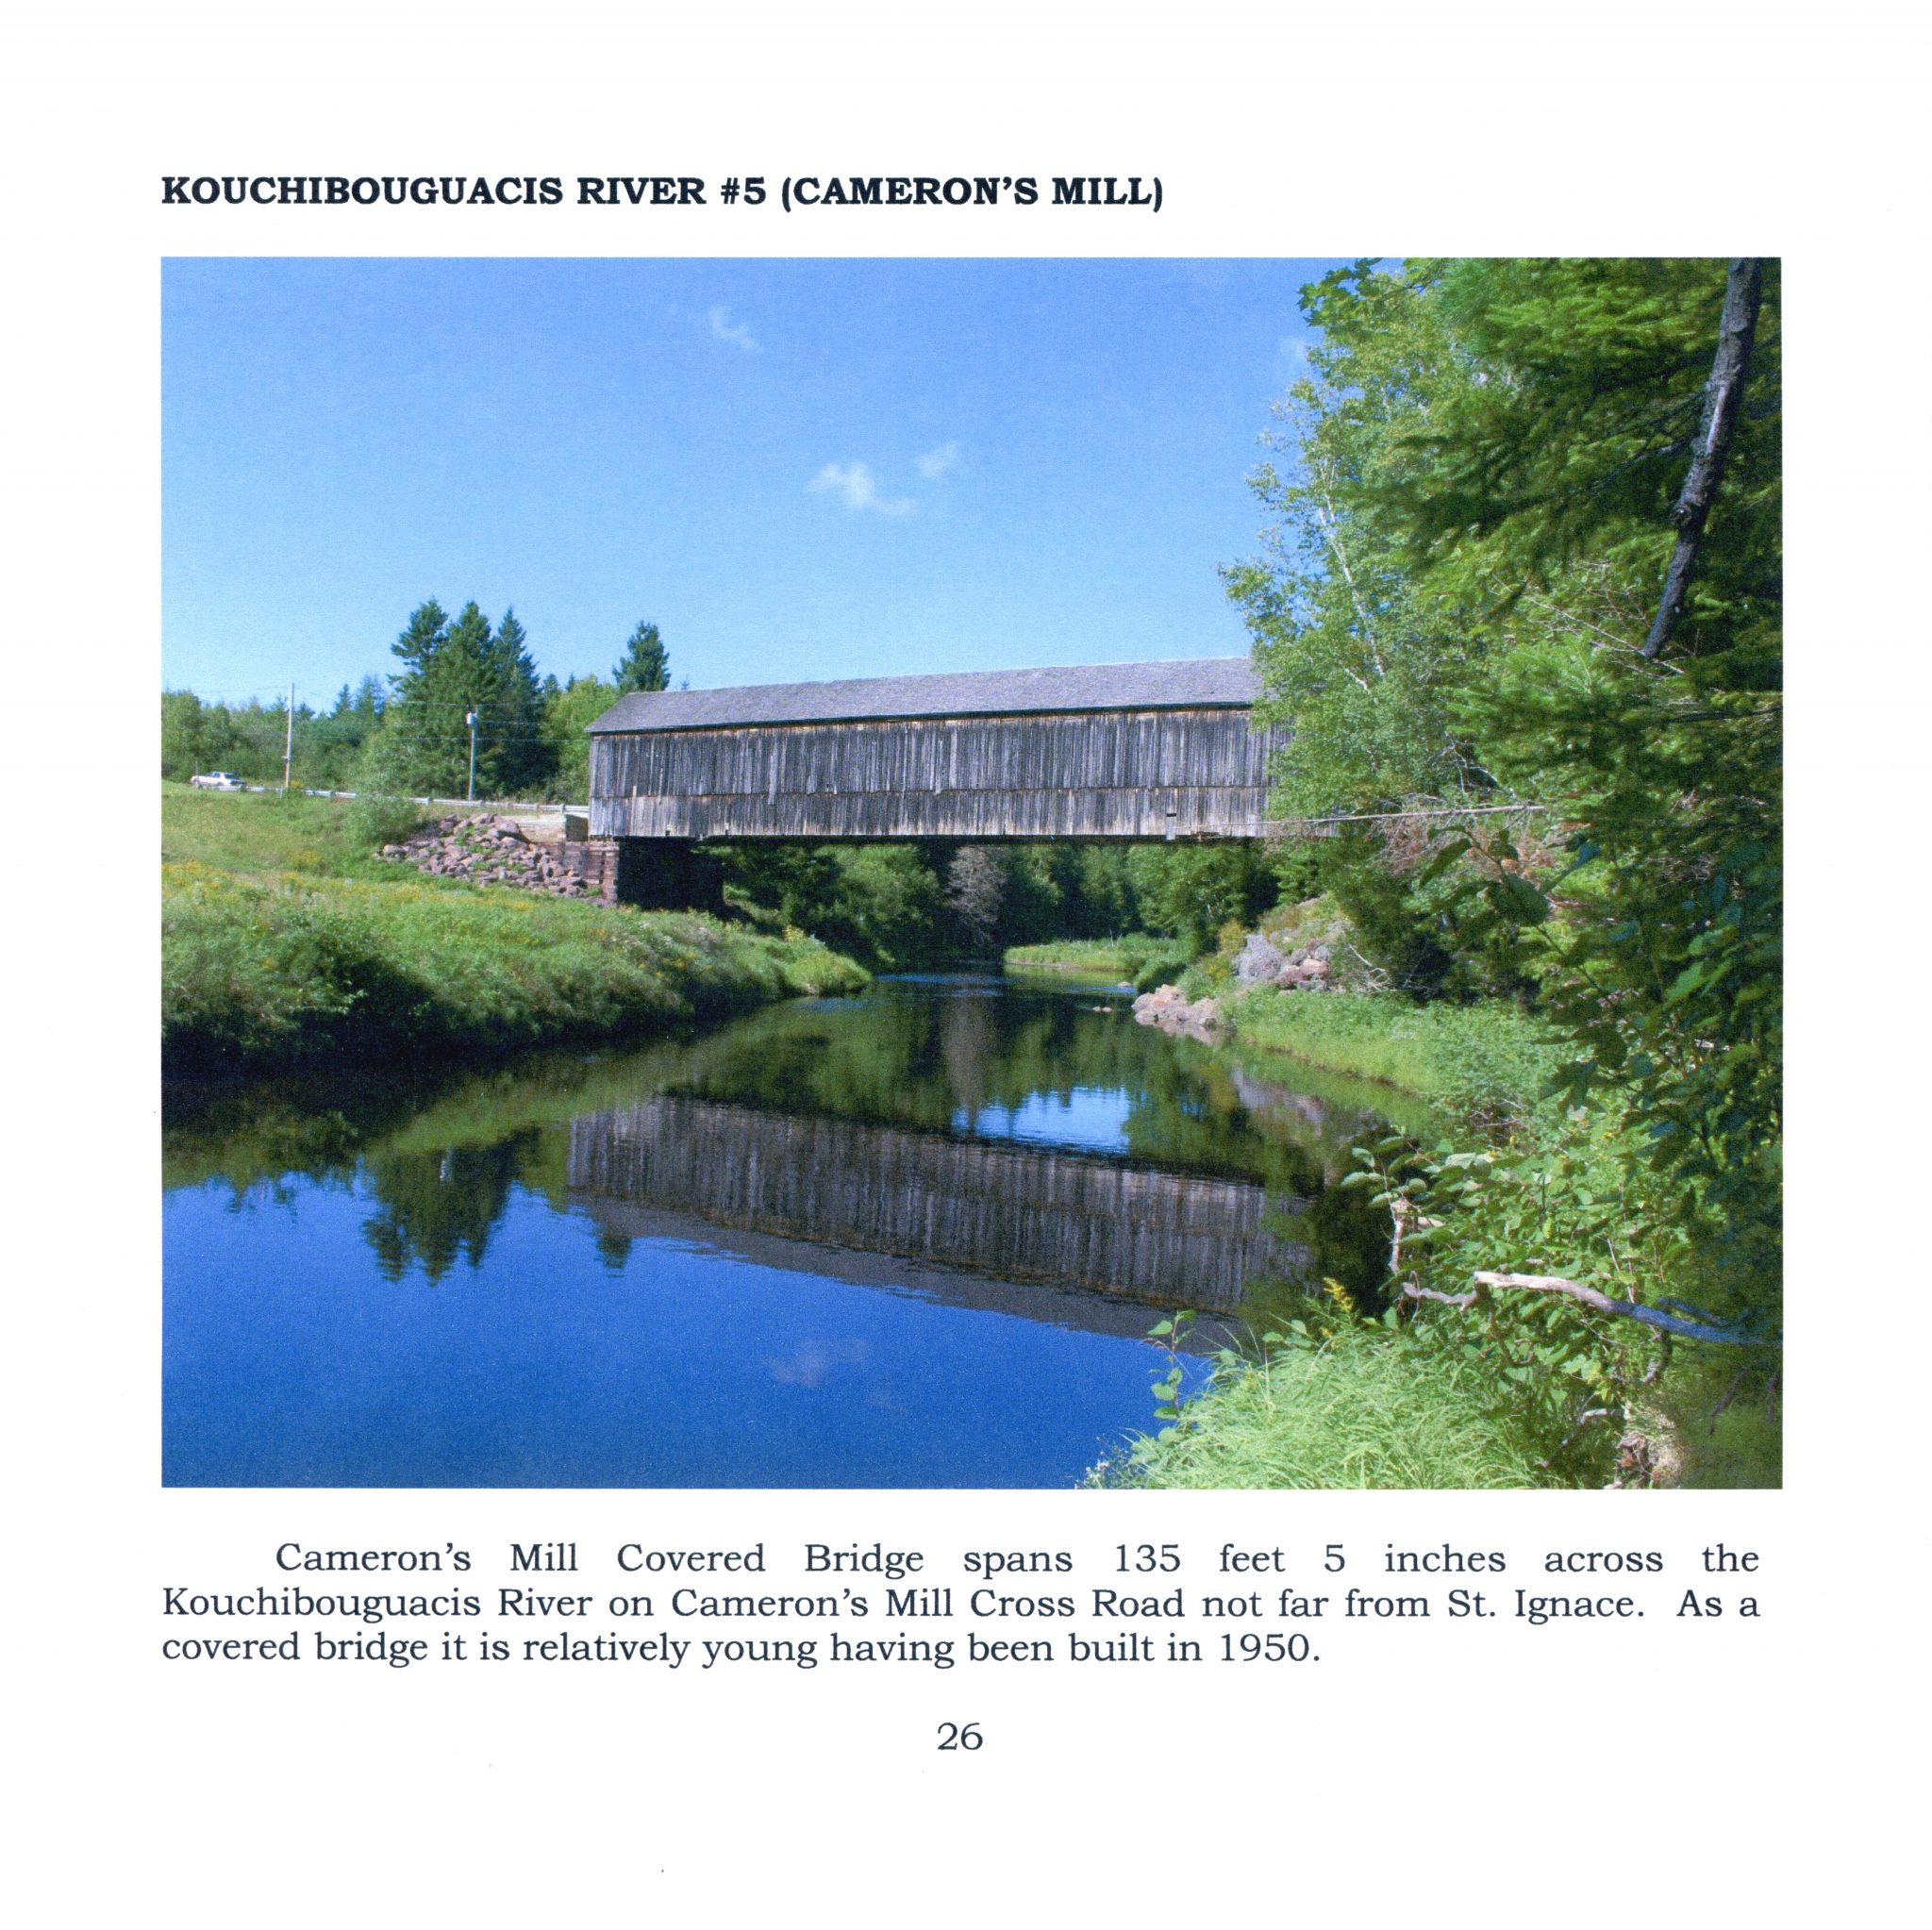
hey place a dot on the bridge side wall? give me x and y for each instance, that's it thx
(1121, 775)
(1018, 1212)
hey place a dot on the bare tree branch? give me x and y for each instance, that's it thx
(1415, 1292)
(1550, 1283)
(1722, 395)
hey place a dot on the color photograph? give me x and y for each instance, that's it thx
(972, 874)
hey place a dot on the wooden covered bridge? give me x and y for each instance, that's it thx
(1134, 751)
(1028, 1216)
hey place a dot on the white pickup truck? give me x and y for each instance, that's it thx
(217, 780)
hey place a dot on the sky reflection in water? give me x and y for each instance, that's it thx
(910, 1241)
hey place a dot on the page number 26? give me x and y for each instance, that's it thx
(960, 1736)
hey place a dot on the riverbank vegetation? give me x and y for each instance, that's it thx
(1520, 605)
(1487, 1060)
(286, 943)
(1350, 1413)
(917, 905)
(1115, 960)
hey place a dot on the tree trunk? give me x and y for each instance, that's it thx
(1722, 397)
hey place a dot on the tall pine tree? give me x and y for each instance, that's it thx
(521, 753)
(424, 746)
(645, 664)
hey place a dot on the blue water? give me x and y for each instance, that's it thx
(1090, 1118)
(290, 1360)
(637, 1270)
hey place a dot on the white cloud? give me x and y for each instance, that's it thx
(813, 1362)
(858, 488)
(736, 333)
(936, 462)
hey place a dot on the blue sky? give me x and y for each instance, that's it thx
(796, 469)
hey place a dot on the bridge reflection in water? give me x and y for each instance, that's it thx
(1040, 1231)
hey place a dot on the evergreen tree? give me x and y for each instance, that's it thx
(424, 746)
(645, 664)
(421, 636)
(522, 755)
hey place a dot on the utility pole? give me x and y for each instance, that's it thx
(288, 742)
(470, 796)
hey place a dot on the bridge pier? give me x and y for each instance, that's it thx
(667, 874)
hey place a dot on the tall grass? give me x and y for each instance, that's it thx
(286, 943)
(262, 834)
(1112, 958)
(1360, 1412)
(1488, 1059)
(297, 971)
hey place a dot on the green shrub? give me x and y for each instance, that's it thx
(373, 819)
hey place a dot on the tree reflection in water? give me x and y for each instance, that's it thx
(956, 1122)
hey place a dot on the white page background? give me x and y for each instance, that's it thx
(1571, 1775)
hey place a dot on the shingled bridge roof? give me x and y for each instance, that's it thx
(1191, 684)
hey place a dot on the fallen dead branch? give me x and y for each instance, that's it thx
(1629, 1309)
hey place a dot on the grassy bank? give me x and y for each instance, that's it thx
(1116, 960)
(1487, 1060)
(1492, 1398)
(286, 943)
(1359, 1412)
(1346, 1401)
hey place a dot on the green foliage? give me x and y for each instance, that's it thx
(455, 668)
(645, 664)
(1722, 1423)
(1356, 661)
(1096, 892)
(373, 821)
(285, 943)
(1474, 518)
(882, 904)
(1552, 455)
(1567, 1205)
(885, 906)
(1164, 964)
(568, 713)
(792, 884)
(1352, 1409)
(522, 749)
(1171, 1404)
(1487, 1060)
(249, 738)
(194, 737)
(1112, 960)
(265, 833)
(304, 972)
(1189, 892)
(1427, 928)
(906, 905)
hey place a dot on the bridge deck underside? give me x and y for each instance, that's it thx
(1104, 775)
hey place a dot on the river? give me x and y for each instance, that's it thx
(910, 1240)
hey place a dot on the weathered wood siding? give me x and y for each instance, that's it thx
(1018, 1212)
(1092, 775)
